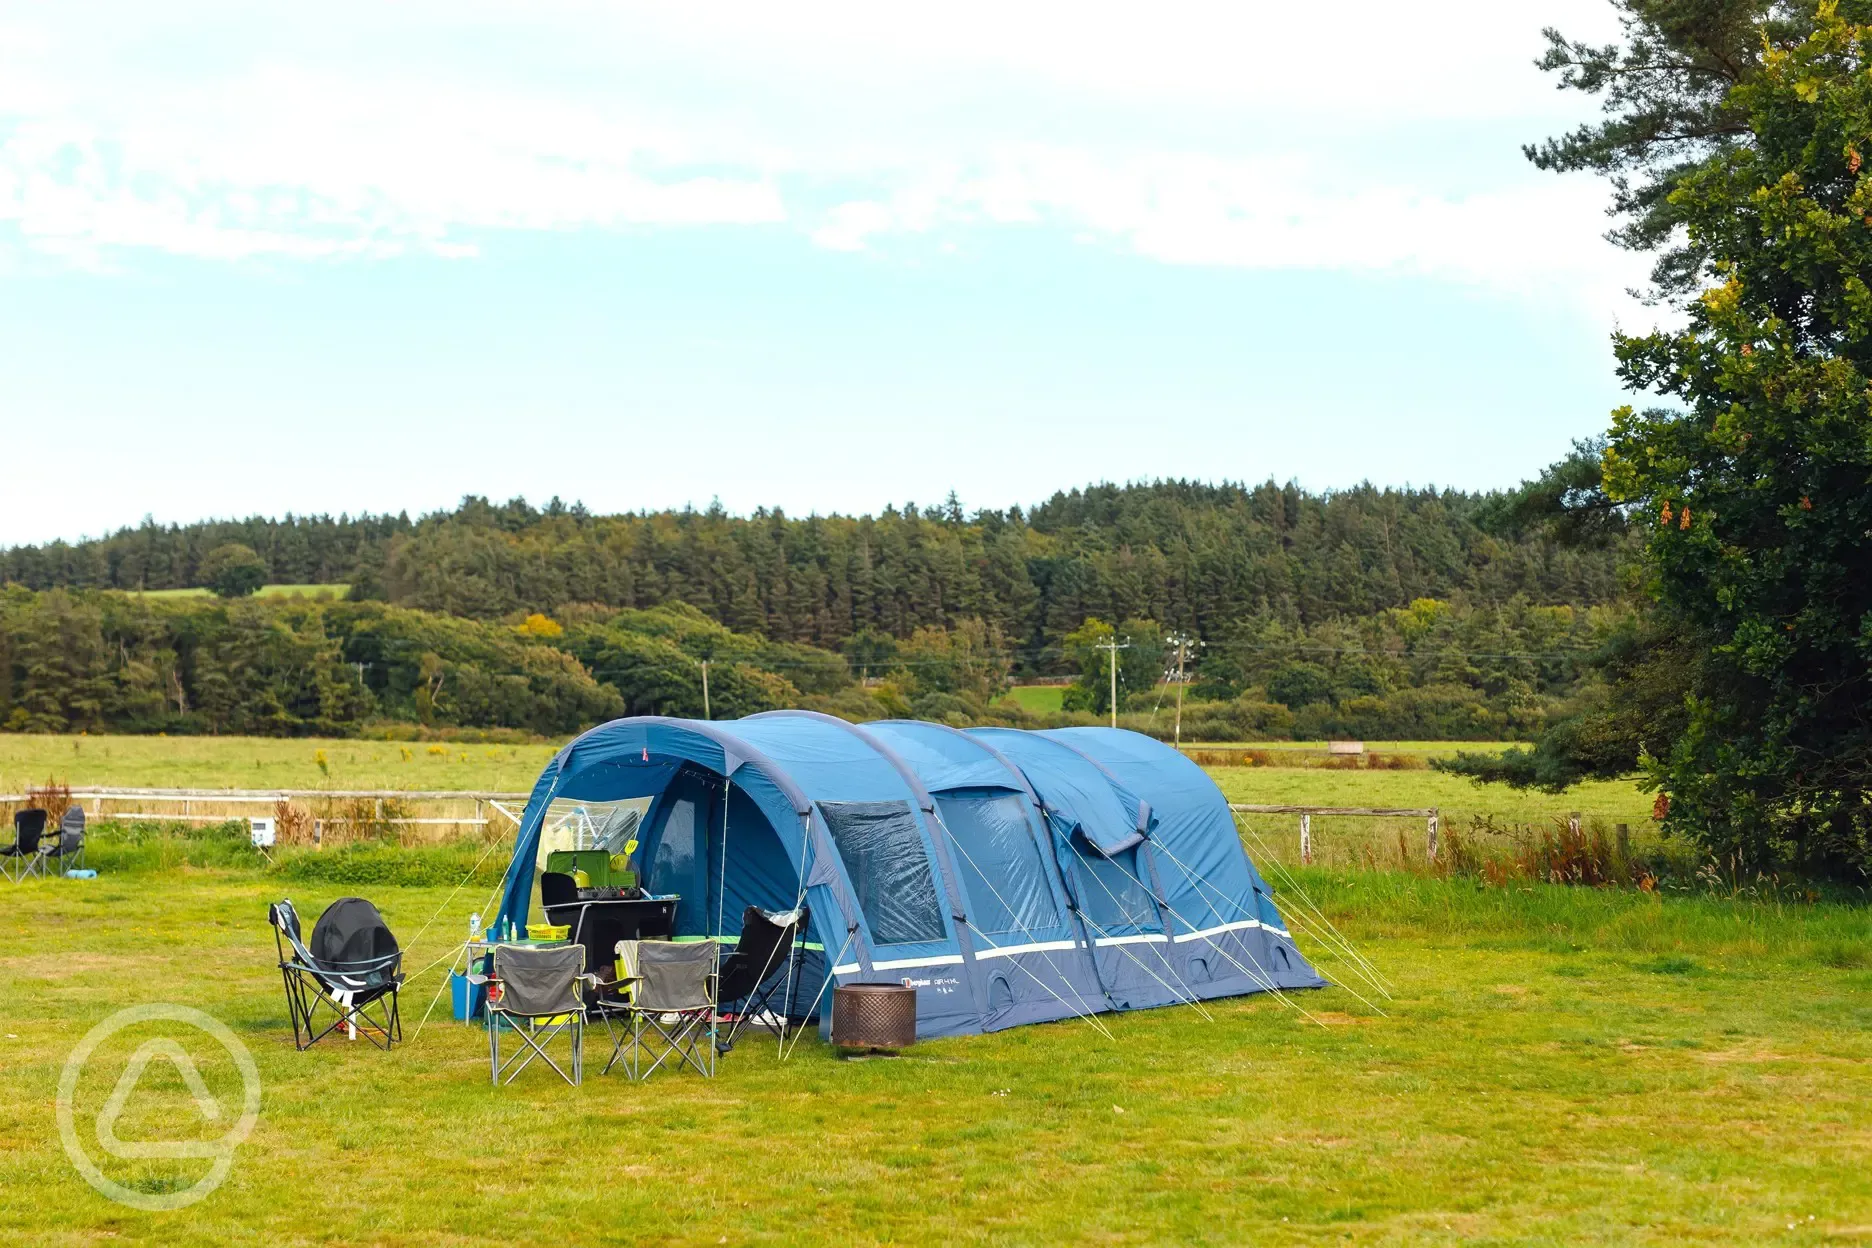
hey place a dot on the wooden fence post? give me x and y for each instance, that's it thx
(1306, 840)
(1430, 843)
(1624, 840)
(1572, 823)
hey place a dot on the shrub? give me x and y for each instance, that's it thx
(114, 847)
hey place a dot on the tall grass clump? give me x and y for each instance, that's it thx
(54, 797)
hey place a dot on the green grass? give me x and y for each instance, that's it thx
(265, 591)
(1557, 1066)
(1038, 699)
(1615, 801)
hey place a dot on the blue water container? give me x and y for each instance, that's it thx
(469, 998)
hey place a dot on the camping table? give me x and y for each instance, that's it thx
(599, 924)
(485, 945)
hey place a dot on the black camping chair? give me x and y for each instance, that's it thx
(756, 970)
(22, 858)
(537, 995)
(69, 843)
(352, 971)
(668, 1008)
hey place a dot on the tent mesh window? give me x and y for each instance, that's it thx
(674, 867)
(889, 870)
(1000, 865)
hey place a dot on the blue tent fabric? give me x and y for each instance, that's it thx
(1010, 877)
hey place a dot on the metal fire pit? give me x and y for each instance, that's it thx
(873, 1016)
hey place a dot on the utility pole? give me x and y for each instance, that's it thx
(1182, 642)
(1114, 646)
(705, 705)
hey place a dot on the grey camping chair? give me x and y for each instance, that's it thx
(536, 994)
(69, 843)
(22, 858)
(668, 1009)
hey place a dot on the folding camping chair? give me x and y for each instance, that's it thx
(748, 974)
(352, 971)
(69, 843)
(536, 994)
(22, 858)
(668, 1005)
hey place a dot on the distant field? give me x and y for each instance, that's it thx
(1038, 699)
(1359, 840)
(265, 591)
(266, 763)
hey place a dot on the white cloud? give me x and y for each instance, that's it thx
(1235, 134)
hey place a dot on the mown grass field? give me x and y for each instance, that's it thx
(1038, 699)
(267, 763)
(1557, 1066)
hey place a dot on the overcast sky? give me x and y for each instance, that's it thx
(269, 258)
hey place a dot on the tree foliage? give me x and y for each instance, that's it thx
(1762, 545)
(1190, 556)
(1139, 659)
(1744, 694)
(1434, 669)
(233, 570)
(1566, 503)
(1667, 92)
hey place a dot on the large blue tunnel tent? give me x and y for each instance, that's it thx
(1011, 877)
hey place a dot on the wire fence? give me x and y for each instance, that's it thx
(318, 817)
